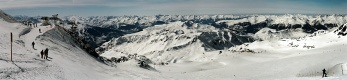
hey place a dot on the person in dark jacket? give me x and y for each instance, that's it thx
(33, 44)
(42, 54)
(46, 53)
(324, 73)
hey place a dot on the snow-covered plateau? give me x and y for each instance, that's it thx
(177, 47)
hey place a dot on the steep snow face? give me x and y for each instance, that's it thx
(65, 60)
(71, 61)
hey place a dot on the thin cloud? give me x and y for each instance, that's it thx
(191, 6)
(13, 4)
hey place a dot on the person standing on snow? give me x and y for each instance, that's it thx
(324, 73)
(33, 44)
(42, 54)
(46, 53)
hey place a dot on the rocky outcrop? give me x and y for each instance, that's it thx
(222, 40)
(341, 30)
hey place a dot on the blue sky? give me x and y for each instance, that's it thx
(171, 7)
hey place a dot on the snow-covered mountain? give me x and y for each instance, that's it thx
(173, 37)
(220, 34)
(112, 26)
(236, 47)
(100, 29)
(269, 53)
(65, 60)
(209, 32)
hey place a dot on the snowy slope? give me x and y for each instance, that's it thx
(161, 41)
(280, 54)
(193, 50)
(264, 60)
(6, 17)
(66, 61)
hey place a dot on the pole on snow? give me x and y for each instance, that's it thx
(11, 44)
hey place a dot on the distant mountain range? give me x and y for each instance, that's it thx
(100, 29)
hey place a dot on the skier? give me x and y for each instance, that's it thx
(324, 73)
(40, 30)
(33, 44)
(42, 54)
(46, 53)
